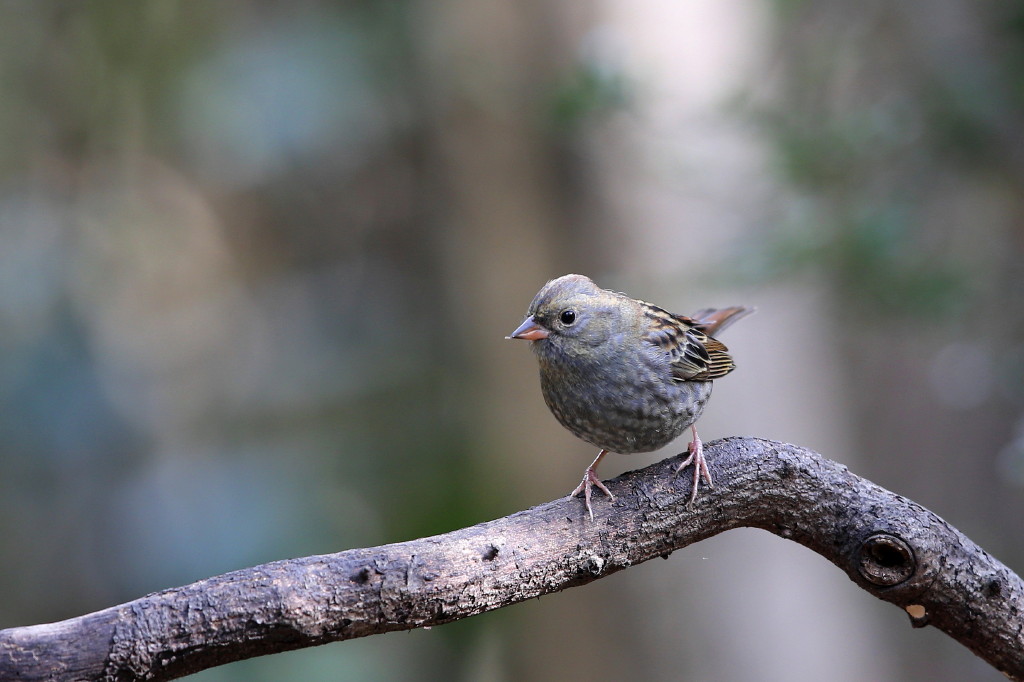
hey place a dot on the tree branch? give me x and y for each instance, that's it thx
(890, 546)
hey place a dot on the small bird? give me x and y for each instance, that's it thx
(622, 374)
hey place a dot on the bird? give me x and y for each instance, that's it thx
(622, 374)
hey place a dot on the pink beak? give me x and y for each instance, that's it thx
(529, 330)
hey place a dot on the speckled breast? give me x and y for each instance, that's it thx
(617, 416)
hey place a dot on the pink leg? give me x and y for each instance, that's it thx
(700, 465)
(590, 479)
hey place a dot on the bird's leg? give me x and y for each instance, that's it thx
(590, 479)
(700, 465)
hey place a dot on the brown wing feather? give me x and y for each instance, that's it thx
(693, 354)
(720, 362)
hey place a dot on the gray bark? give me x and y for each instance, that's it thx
(890, 546)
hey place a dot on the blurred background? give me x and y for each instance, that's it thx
(257, 261)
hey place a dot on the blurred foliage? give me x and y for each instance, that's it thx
(589, 90)
(871, 124)
(217, 316)
(873, 258)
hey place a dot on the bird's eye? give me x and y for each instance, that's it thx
(567, 317)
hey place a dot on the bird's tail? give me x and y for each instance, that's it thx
(713, 320)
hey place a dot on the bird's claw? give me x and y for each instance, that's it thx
(700, 467)
(590, 479)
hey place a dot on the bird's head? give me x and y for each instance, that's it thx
(568, 313)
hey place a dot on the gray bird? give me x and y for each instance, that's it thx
(622, 374)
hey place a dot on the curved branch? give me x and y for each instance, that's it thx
(890, 546)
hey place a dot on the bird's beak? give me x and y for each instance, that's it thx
(529, 330)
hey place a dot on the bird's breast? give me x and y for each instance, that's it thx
(621, 406)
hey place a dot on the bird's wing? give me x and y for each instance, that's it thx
(693, 355)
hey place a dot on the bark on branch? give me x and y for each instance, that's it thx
(890, 546)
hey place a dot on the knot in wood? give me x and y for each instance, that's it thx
(886, 560)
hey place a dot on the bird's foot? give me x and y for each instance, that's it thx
(590, 479)
(700, 466)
